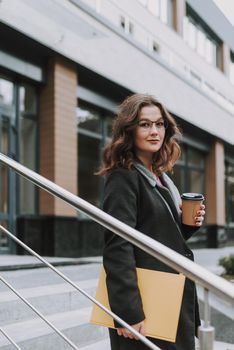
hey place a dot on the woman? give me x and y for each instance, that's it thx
(139, 193)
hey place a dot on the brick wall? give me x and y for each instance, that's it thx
(58, 134)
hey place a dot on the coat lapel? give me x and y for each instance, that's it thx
(169, 192)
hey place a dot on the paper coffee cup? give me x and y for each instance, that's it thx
(191, 203)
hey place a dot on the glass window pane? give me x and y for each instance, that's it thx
(178, 178)
(230, 203)
(89, 162)
(109, 125)
(185, 29)
(201, 39)
(4, 240)
(6, 92)
(28, 130)
(182, 156)
(4, 148)
(195, 158)
(192, 33)
(170, 13)
(215, 53)
(27, 95)
(232, 72)
(230, 193)
(88, 118)
(196, 181)
(163, 11)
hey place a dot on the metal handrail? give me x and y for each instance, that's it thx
(197, 273)
(10, 339)
(113, 315)
(193, 271)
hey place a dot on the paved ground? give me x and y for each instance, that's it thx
(205, 257)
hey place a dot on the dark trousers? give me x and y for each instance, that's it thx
(121, 343)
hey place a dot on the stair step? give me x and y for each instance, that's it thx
(47, 299)
(99, 345)
(54, 289)
(75, 324)
(22, 279)
(105, 345)
(65, 307)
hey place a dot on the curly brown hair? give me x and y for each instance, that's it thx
(120, 152)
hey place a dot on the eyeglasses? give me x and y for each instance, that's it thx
(146, 125)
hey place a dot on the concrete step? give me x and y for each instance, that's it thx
(47, 299)
(105, 345)
(99, 345)
(36, 334)
(65, 308)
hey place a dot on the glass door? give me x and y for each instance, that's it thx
(7, 181)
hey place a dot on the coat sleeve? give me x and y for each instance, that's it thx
(120, 201)
(186, 230)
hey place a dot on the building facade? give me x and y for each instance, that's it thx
(65, 65)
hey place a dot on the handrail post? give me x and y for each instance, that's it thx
(206, 332)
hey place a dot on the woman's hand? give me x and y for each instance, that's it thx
(199, 218)
(127, 334)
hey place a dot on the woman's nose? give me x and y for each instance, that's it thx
(153, 129)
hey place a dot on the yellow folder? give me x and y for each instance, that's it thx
(161, 294)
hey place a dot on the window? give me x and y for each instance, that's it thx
(122, 22)
(18, 139)
(27, 146)
(229, 184)
(200, 38)
(163, 9)
(155, 47)
(94, 129)
(126, 25)
(189, 171)
(6, 92)
(232, 68)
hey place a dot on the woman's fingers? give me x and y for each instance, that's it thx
(200, 215)
(127, 334)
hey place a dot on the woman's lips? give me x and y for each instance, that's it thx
(153, 141)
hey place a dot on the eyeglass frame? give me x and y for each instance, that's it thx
(151, 123)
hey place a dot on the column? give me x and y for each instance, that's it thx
(58, 134)
(215, 193)
(179, 10)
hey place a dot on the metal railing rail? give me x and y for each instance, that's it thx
(65, 278)
(168, 256)
(10, 339)
(208, 280)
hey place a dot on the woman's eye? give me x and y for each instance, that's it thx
(160, 124)
(144, 125)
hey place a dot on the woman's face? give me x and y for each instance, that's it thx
(149, 132)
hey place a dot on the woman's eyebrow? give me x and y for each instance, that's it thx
(147, 119)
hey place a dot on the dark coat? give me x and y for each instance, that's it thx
(133, 197)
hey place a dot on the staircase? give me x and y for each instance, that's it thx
(65, 308)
